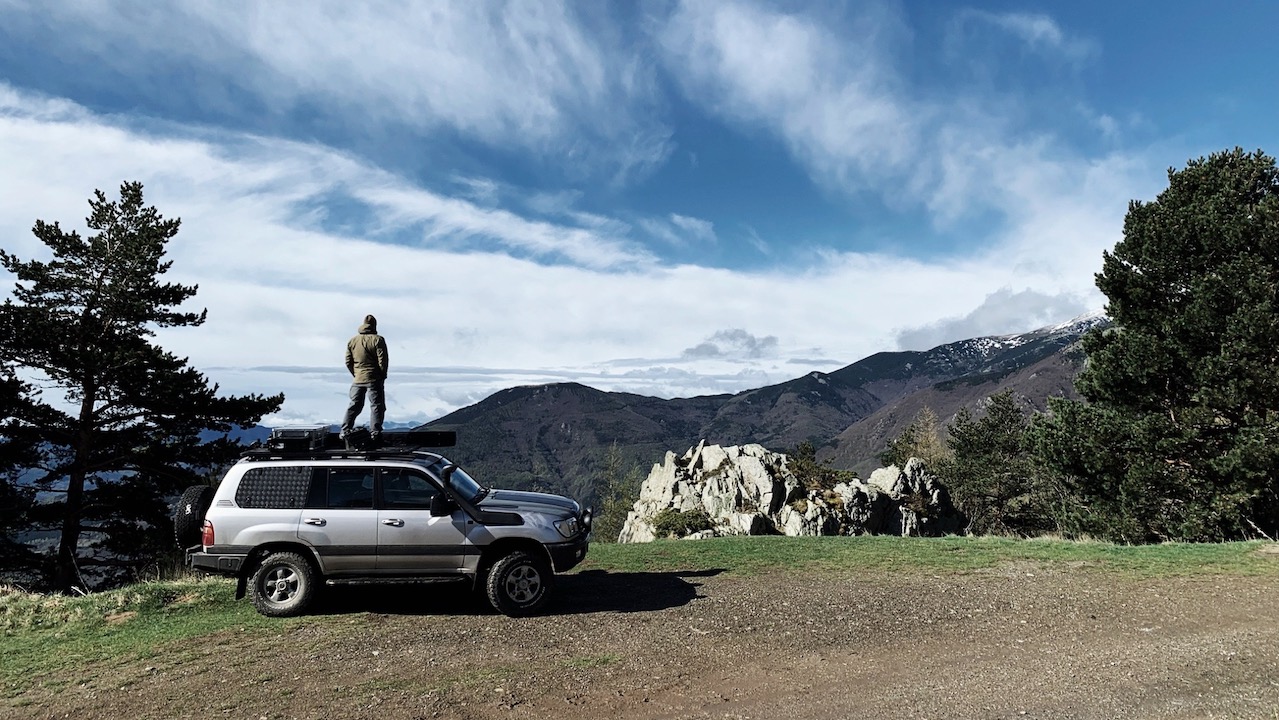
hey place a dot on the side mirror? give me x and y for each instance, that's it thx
(441, 506)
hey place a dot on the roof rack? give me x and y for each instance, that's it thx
(266, 453)
(319, 443)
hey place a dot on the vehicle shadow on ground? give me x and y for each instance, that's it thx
(590, 591)
(593, 591)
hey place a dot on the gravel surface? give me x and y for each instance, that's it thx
(1020, 641)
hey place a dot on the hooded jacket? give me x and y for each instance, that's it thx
(366, 356)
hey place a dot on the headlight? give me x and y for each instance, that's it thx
(567, 527)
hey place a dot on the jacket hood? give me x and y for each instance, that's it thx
(368, 328)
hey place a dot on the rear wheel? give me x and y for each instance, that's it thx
(519, 583)
(188, 516)
(284, 584)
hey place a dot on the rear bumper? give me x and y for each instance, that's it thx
(566, 556)
(219, 563)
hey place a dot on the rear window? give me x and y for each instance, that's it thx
(276, 488)
(341, 488)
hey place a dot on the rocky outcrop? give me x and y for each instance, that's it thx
(748, 490)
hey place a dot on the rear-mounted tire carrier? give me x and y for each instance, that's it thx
(188, 516)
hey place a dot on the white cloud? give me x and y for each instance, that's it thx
(546, 77)
(1002, 312)
(835, 103)
(696, 228)
(679, 230)
(735, 343)
(1039, 32)
(838, 102)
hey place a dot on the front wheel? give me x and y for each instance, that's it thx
(519, 583)
(283, 585)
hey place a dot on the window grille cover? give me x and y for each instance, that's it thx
(277, 488)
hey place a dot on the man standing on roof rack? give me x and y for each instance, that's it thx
(366, 360)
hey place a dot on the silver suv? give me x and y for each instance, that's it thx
(285, 521)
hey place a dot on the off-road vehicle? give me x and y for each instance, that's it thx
(305, 511)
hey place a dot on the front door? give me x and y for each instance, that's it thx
(409, 540)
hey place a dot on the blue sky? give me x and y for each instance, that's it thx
(663, 198)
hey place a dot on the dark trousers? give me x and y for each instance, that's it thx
(377, 407)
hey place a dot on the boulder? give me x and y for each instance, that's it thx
(748, 490)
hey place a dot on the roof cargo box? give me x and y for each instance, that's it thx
(297, 439)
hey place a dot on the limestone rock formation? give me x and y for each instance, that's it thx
(748, 490)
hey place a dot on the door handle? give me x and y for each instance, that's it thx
(393, 522)
(320, 522)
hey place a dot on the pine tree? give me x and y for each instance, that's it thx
(920, 439)
(618, 491)
(1179, 438)
(125, 434)
(993, 477)
(16, 500)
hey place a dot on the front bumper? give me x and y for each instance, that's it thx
(566, 555)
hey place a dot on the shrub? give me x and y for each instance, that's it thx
(813, 475)
(672, 523)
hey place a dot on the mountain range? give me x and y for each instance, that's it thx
(556, 437)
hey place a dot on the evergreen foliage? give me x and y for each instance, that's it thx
(994, 478)
(813, 475)
(672, 523)
(1179, 437)
(15, 500)
(619, 489)
(115, 420)
(920, 439)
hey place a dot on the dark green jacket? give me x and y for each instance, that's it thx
(366, 356)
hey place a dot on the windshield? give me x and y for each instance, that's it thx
(459, 482)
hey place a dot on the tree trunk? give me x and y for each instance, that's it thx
(66, 575)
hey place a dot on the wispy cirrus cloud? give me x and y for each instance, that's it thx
(837, 105)
(1037, 32)
(555, 79)
(834, 95)
(679, 230)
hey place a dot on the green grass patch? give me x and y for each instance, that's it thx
(46, 640)
(751, 555)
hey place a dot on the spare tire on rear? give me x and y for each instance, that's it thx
(188, 516)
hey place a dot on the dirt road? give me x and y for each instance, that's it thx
(1020, 641)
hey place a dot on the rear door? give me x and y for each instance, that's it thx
(410, 541)
(339, 519)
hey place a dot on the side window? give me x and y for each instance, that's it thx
(345, 487)
(404, 488)
(276, 488)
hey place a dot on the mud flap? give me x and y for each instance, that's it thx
(241, 586)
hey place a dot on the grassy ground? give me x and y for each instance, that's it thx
(50, 637)
(930, 555)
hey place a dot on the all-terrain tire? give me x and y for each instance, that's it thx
(284, 584)
(519, 584)
(188, 516)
